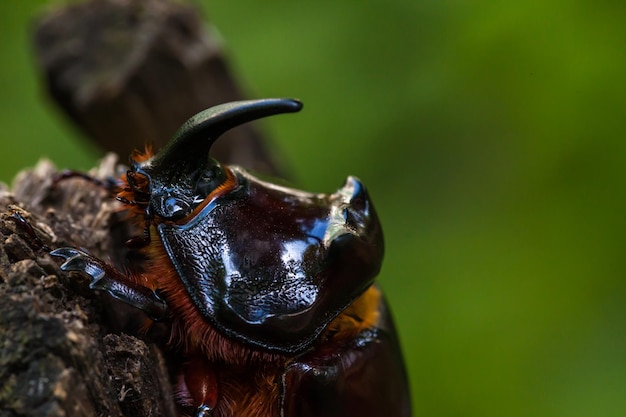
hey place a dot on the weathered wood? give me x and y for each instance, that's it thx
(130, 72)
(59, 357)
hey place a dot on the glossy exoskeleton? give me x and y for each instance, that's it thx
(267, 291)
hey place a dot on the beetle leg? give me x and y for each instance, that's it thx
(138, 242)
(22, 222)
(109, 184)
(198, 386)
(105, 277)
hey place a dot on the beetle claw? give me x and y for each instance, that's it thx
(106, 278)
(65, 252)
(79, 261)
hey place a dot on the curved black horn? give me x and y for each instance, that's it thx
(200, 132)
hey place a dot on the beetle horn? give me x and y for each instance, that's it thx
(199, 133)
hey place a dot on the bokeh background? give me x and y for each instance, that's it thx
(491, 136)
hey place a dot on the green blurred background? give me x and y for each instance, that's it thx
(491, 136)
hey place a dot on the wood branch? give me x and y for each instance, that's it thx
(125, 72)
(130, 72)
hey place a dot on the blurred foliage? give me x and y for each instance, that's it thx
(491, 136)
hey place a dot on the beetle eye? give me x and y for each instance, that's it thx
(175, 208)
(210, 179)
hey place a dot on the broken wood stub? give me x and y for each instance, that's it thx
(132, 72)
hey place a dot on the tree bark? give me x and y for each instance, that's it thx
(59, 357)
(126, 72)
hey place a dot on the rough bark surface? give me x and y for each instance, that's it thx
(59, 355)
(126, 72)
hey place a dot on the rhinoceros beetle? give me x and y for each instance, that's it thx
(267, 291)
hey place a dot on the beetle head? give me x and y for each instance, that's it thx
(183, 174)
(265, 264)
